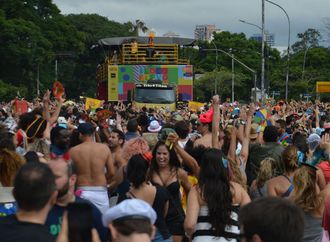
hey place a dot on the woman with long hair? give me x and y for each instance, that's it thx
(156, 196)
(165, 171)
(281, 186)
(266, 172)
(212, 211)
(10, 162)
(310, 199)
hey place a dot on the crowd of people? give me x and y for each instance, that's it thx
(225, 172)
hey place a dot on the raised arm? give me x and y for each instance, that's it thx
(246, 140)
(233, 144)
(215, 122)
(45, 101)
(53, 118)
(187, 159)
(317, 119)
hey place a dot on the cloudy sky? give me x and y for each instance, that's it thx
(181, 16)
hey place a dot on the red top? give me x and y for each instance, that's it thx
(325, 167)
(326, 216)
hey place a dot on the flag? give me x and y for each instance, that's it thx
(92, 103)
(195, 106)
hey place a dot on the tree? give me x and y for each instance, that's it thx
(94, 27)
(310, 38)
(326, 22)
(137, 26)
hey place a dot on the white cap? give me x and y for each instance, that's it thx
(313, 141)
(62, 120)
(154, 126)
(130, 209)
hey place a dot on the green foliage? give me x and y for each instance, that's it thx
(310, 38)
(137, 26)
(9, 92)
(34, 34)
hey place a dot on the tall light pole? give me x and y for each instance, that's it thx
(263, 49)
(56, 69)
(232, 78)
(288, 56)
(240, 62)
(216, 68)
(304, 62)
(246, 22)
(262, 56)
(38, 81)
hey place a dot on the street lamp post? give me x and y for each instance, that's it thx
(262, 55)
(263, 50)
(38, 81)
(245, 22)
(288, 54)
(232, 78)
(240, 62)
(216, 69)
(56, 69)
(304, 62)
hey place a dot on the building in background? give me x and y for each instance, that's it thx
(171, 34)
(205, 32)
(270, 38)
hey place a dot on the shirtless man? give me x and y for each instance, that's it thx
(94, 167)
(116, 142)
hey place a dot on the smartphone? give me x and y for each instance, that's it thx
(80, 219)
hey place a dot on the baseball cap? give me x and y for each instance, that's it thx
(129, 209)
(62, 120)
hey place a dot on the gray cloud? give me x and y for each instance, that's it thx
(181, 16)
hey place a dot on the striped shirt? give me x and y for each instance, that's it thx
(203, 231)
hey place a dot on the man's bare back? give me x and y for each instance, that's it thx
(94, 164)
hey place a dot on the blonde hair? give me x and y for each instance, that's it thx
(40, 146)
(305, 193)
(266, 172)
(290, 158)
(10, 162)
(236, 174)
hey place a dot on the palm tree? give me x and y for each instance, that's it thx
(137, 27)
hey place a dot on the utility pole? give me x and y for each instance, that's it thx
(263, 50)
(56, 69)
(38, 82)
(232, 79)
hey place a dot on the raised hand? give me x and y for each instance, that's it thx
(215, 100)
(325, 142)
(46, 97)
(252, 110)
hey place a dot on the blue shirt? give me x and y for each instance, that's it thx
(55, 216)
